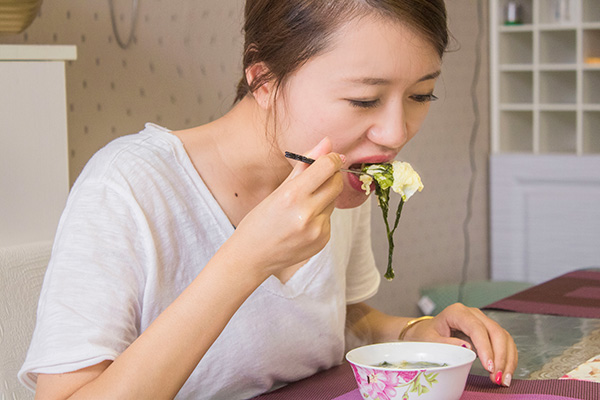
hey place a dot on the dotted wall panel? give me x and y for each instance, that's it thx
(181, 70)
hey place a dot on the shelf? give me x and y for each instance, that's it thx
(557, 67)
(545, 94)
(516, 107)
(591, 86)
(558, 132)
(558, 87)
(591, 43)
(516, 67)
(590, 11)
(558, 47)
(516, 87)
(516, 28)
(516, 48)
(556, 13)
(591, 132)
(525, 11)
(518, 126)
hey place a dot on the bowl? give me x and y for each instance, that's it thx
(17, 15)
(435, 371)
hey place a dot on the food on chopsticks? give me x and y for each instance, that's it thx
(410, 365)
(402, 179)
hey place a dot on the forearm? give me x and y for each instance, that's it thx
(159, 362)
(367, 322)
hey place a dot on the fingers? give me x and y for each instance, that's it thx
(498, 348)
(321, 149)
(321, 180)
(495, 347)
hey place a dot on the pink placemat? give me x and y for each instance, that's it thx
(575, 294)
(338, 383)
(481, 388)
(325, 385)
(355, 395)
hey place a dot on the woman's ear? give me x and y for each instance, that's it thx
(263, 93)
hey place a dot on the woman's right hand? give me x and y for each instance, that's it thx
(293, 223)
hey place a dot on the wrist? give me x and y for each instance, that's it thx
(410, 324)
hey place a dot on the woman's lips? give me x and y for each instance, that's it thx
(356, 183)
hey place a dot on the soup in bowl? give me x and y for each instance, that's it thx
(411, 370)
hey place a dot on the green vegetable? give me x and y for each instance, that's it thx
(383, 175)
(410, 365)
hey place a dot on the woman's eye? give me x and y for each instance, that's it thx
(424, 98)
(364, 103)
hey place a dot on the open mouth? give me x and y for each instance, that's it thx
(360, 166)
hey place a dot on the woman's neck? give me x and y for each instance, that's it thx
(236, 158)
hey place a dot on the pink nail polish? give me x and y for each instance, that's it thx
(464, 345)
(506, 380)
(499, 377)
(343, 157)
(490, 366)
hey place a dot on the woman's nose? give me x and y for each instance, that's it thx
(390, 130)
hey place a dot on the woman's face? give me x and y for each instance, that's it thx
(369, 93)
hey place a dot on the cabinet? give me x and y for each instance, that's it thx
(34, 174)
(545, 77)
(545, 138)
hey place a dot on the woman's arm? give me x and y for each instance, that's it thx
(159, 361)
(495, 347)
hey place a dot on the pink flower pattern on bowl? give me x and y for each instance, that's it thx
(382, 384)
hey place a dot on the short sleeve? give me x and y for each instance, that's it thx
(89, 307)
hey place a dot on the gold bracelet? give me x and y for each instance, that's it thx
(410, 323)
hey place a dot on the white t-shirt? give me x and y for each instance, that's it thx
(138, 226)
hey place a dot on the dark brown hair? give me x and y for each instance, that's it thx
(284, 34)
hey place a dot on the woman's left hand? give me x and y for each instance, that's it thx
(495, 347)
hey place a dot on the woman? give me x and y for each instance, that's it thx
(204, 264)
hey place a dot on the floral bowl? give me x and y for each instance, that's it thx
(435, 371)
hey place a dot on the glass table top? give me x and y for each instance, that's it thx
(549, 346)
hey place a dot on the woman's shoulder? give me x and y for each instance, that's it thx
(138, 153)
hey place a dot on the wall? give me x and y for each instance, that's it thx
(181, 70)
(429, 240)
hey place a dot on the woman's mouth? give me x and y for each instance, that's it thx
(354, 180)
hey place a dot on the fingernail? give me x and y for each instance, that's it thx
(499, 377)
(490, 366)
(343, 157)
(506, 380)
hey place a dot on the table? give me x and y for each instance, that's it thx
(549, 347)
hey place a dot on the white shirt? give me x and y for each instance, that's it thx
(138, 226)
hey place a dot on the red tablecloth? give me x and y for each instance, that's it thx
(575, 294)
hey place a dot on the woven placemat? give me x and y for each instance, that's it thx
(571, 358)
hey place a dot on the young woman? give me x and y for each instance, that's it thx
(204, 264)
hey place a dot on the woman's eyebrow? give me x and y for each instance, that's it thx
(369, 81)
(383, 81)
(430, 76)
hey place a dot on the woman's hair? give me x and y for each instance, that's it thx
(284, 34)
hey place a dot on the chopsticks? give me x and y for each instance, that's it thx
(309, 160)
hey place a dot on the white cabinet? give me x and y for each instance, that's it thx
(545, 138)
(34, 174)
(545, 77)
